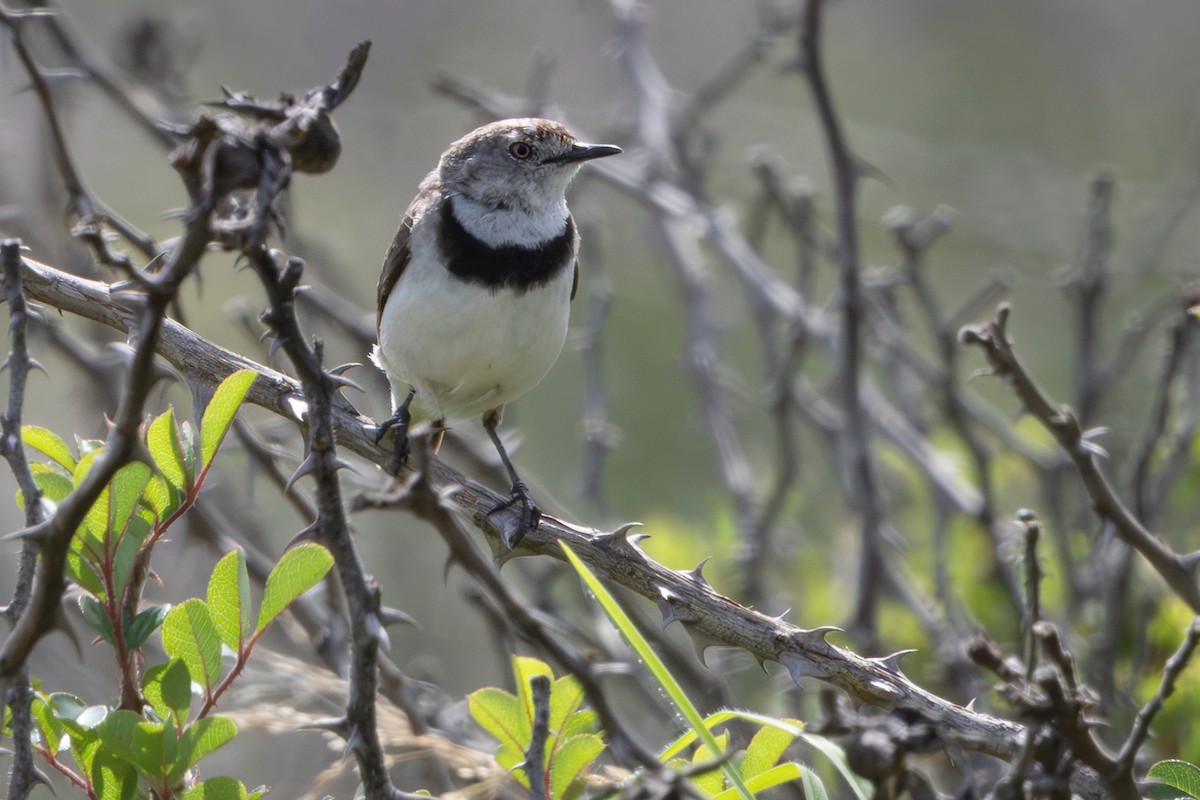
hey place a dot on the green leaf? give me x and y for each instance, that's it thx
(162, 497)
(188, 632)
(85, 743)
(296, 573)
(52, 730)
(525, 669)
(162, 440)
(500, 714)
(168, 689)
(814, 789)
(187, 435)
(512, 761)
(95, 521)
(1160, 791)
(66, 705)
(49, 444)
(81, 569)
(97, 618)
(117, 733)
(571, 757)
(201, 738)
(1179, 775)
(219, 788)
(565, 697)
(219, 414)
(125, 493)
(127, 549)
(113, 778)
(585, 721)
(53, 483)
(764, 750)
(144, 624)
(712, 781)
(229, 600)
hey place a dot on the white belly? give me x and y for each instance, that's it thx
(465, 348)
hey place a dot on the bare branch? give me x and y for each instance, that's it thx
(1061, 422)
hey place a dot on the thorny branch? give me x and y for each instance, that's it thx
(707, 615)
(19, 694)
(1178, 571)
(669, 180)
(358, 728)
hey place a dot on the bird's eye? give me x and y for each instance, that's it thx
(520, 150)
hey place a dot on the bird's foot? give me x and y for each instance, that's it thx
(399, 421)
(530, 514)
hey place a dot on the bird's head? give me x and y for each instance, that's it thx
(517, 163)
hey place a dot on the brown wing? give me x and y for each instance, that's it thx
(393, 265)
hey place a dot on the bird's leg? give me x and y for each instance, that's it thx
(399, 420)
(530, 514)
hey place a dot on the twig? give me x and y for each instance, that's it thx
(1087, 288)
(358, 726)
(1061, 422)
(539, 690)
(1171, 672)
(91, 215)
(862, 492)
(17, 694)
(1033, 579)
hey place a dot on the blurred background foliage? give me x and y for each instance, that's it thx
(1003, 111)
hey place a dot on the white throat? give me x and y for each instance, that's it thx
(510, 225)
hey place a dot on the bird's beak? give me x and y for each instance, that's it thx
(586, 152)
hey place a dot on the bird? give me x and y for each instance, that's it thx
(476, 287)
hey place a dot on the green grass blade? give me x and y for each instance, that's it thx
(658, 670)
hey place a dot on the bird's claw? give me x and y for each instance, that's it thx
(531, 515)
(399, 421)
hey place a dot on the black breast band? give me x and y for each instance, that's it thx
(505, 267)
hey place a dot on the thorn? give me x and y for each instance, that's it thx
(307, 533)
(892, 663)
(623, 538)
(341, 383)
(33, 363)
(275, 344)
(393, 616)
(701, 641)
(780, 617)
(262, 337)
(697, 574)
(811, 636)
(42, 778)
(38, 534)
(376, 630)
(339, 463)
(354, 740)
(306, 466)
(341, 368)
(339, 726)
(1190, 561)
(621, 532)
(800, 666)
